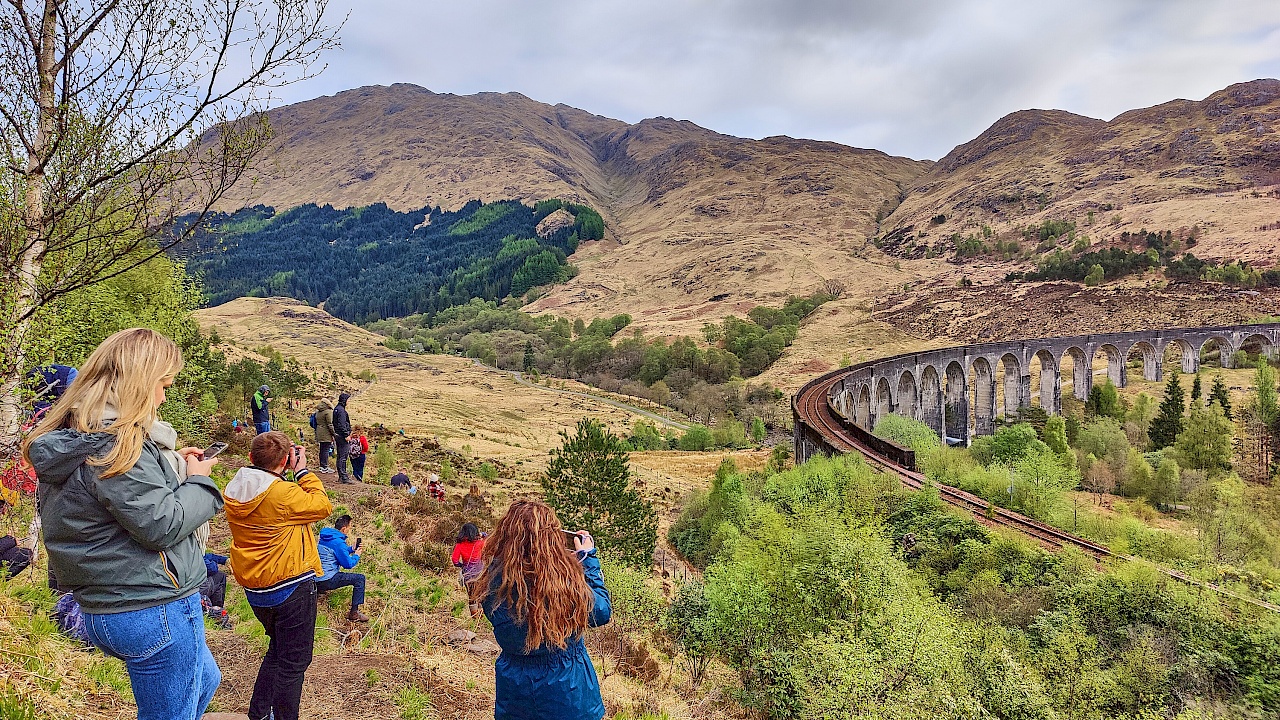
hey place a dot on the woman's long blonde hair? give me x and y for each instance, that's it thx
(121, 374)
(528, 568)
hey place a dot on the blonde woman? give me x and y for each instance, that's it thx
(120, 527)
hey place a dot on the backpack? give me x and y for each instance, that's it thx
(70, 619)
(312, 420)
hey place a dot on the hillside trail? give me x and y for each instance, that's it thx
(520, 378)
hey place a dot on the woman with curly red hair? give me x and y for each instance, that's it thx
(541, 597)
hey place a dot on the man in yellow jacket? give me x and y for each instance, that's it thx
(274, 557)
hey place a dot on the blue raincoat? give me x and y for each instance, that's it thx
(548, 682)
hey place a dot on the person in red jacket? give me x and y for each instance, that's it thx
(466, 555)
(359, 453)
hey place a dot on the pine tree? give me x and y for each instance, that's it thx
(1165, 428)
(530, 361)
(1205, 444)
(588, 482)
(1218, 394)
(1195, 388)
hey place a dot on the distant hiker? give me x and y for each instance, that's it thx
(435, 488)
(120, 528)
(358, 446)
(400, 479)
(541, 597)
(262, 410)
(324, 433)
(274, 558)
(467, 557)
(338, 554)
(13, 557)
(341, 433)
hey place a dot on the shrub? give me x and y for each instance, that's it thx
(697, 438)
(909, 433)
(434, 557)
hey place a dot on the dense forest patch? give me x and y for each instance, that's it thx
(373, 262)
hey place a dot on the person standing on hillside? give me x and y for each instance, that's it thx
(541, 597)
(324, 434)
(274, 558)
(120, 527)
(467, 557)
(359, 449)
(341, 435)
(262, 410)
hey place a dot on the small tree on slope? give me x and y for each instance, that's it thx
(1219, 394)
(1168, 423)
(588, 482)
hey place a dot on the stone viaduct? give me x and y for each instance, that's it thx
(960, 391)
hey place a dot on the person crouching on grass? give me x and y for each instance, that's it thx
(541, 597)
(273, 556)
(120, 526)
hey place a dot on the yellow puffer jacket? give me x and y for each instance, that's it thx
(270, 519)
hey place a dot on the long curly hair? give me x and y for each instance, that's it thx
(529, 569)
(119, 379)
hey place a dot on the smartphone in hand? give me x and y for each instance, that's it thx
(213, 450)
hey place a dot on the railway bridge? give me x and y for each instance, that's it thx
(960, 391)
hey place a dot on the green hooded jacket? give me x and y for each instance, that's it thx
(123, 543)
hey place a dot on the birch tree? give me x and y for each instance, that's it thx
(116, 118)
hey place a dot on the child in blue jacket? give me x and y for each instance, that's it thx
(541, 597)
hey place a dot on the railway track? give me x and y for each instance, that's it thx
(811, 406)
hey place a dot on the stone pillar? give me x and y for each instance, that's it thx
(1151, 370)
(1024, 391)
(1012, 392)
(1051, 391)
(985, 405)
(1190, 359)
(1081, 377)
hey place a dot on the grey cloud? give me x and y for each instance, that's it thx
(911, 78)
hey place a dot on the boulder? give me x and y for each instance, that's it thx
(461, 637)
(557, 220)
(483, 647)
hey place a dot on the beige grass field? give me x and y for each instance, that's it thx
(451, 398)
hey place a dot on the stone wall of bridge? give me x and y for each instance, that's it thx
(961, 391)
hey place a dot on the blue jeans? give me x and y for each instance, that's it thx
(170, 668)
(264, 427)
(355, 581)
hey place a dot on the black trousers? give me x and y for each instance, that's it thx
(326, 449)
(344, 453)
(292, 629)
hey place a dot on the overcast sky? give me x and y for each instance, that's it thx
(910, 77)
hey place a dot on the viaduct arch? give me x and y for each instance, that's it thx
(956, 390)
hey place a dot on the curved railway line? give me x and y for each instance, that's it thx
(812, 409)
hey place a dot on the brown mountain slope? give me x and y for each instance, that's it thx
(1169, 166)
(700, 223)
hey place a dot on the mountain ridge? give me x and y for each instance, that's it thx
(701, 223)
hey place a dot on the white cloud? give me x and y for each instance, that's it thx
(913, 77)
